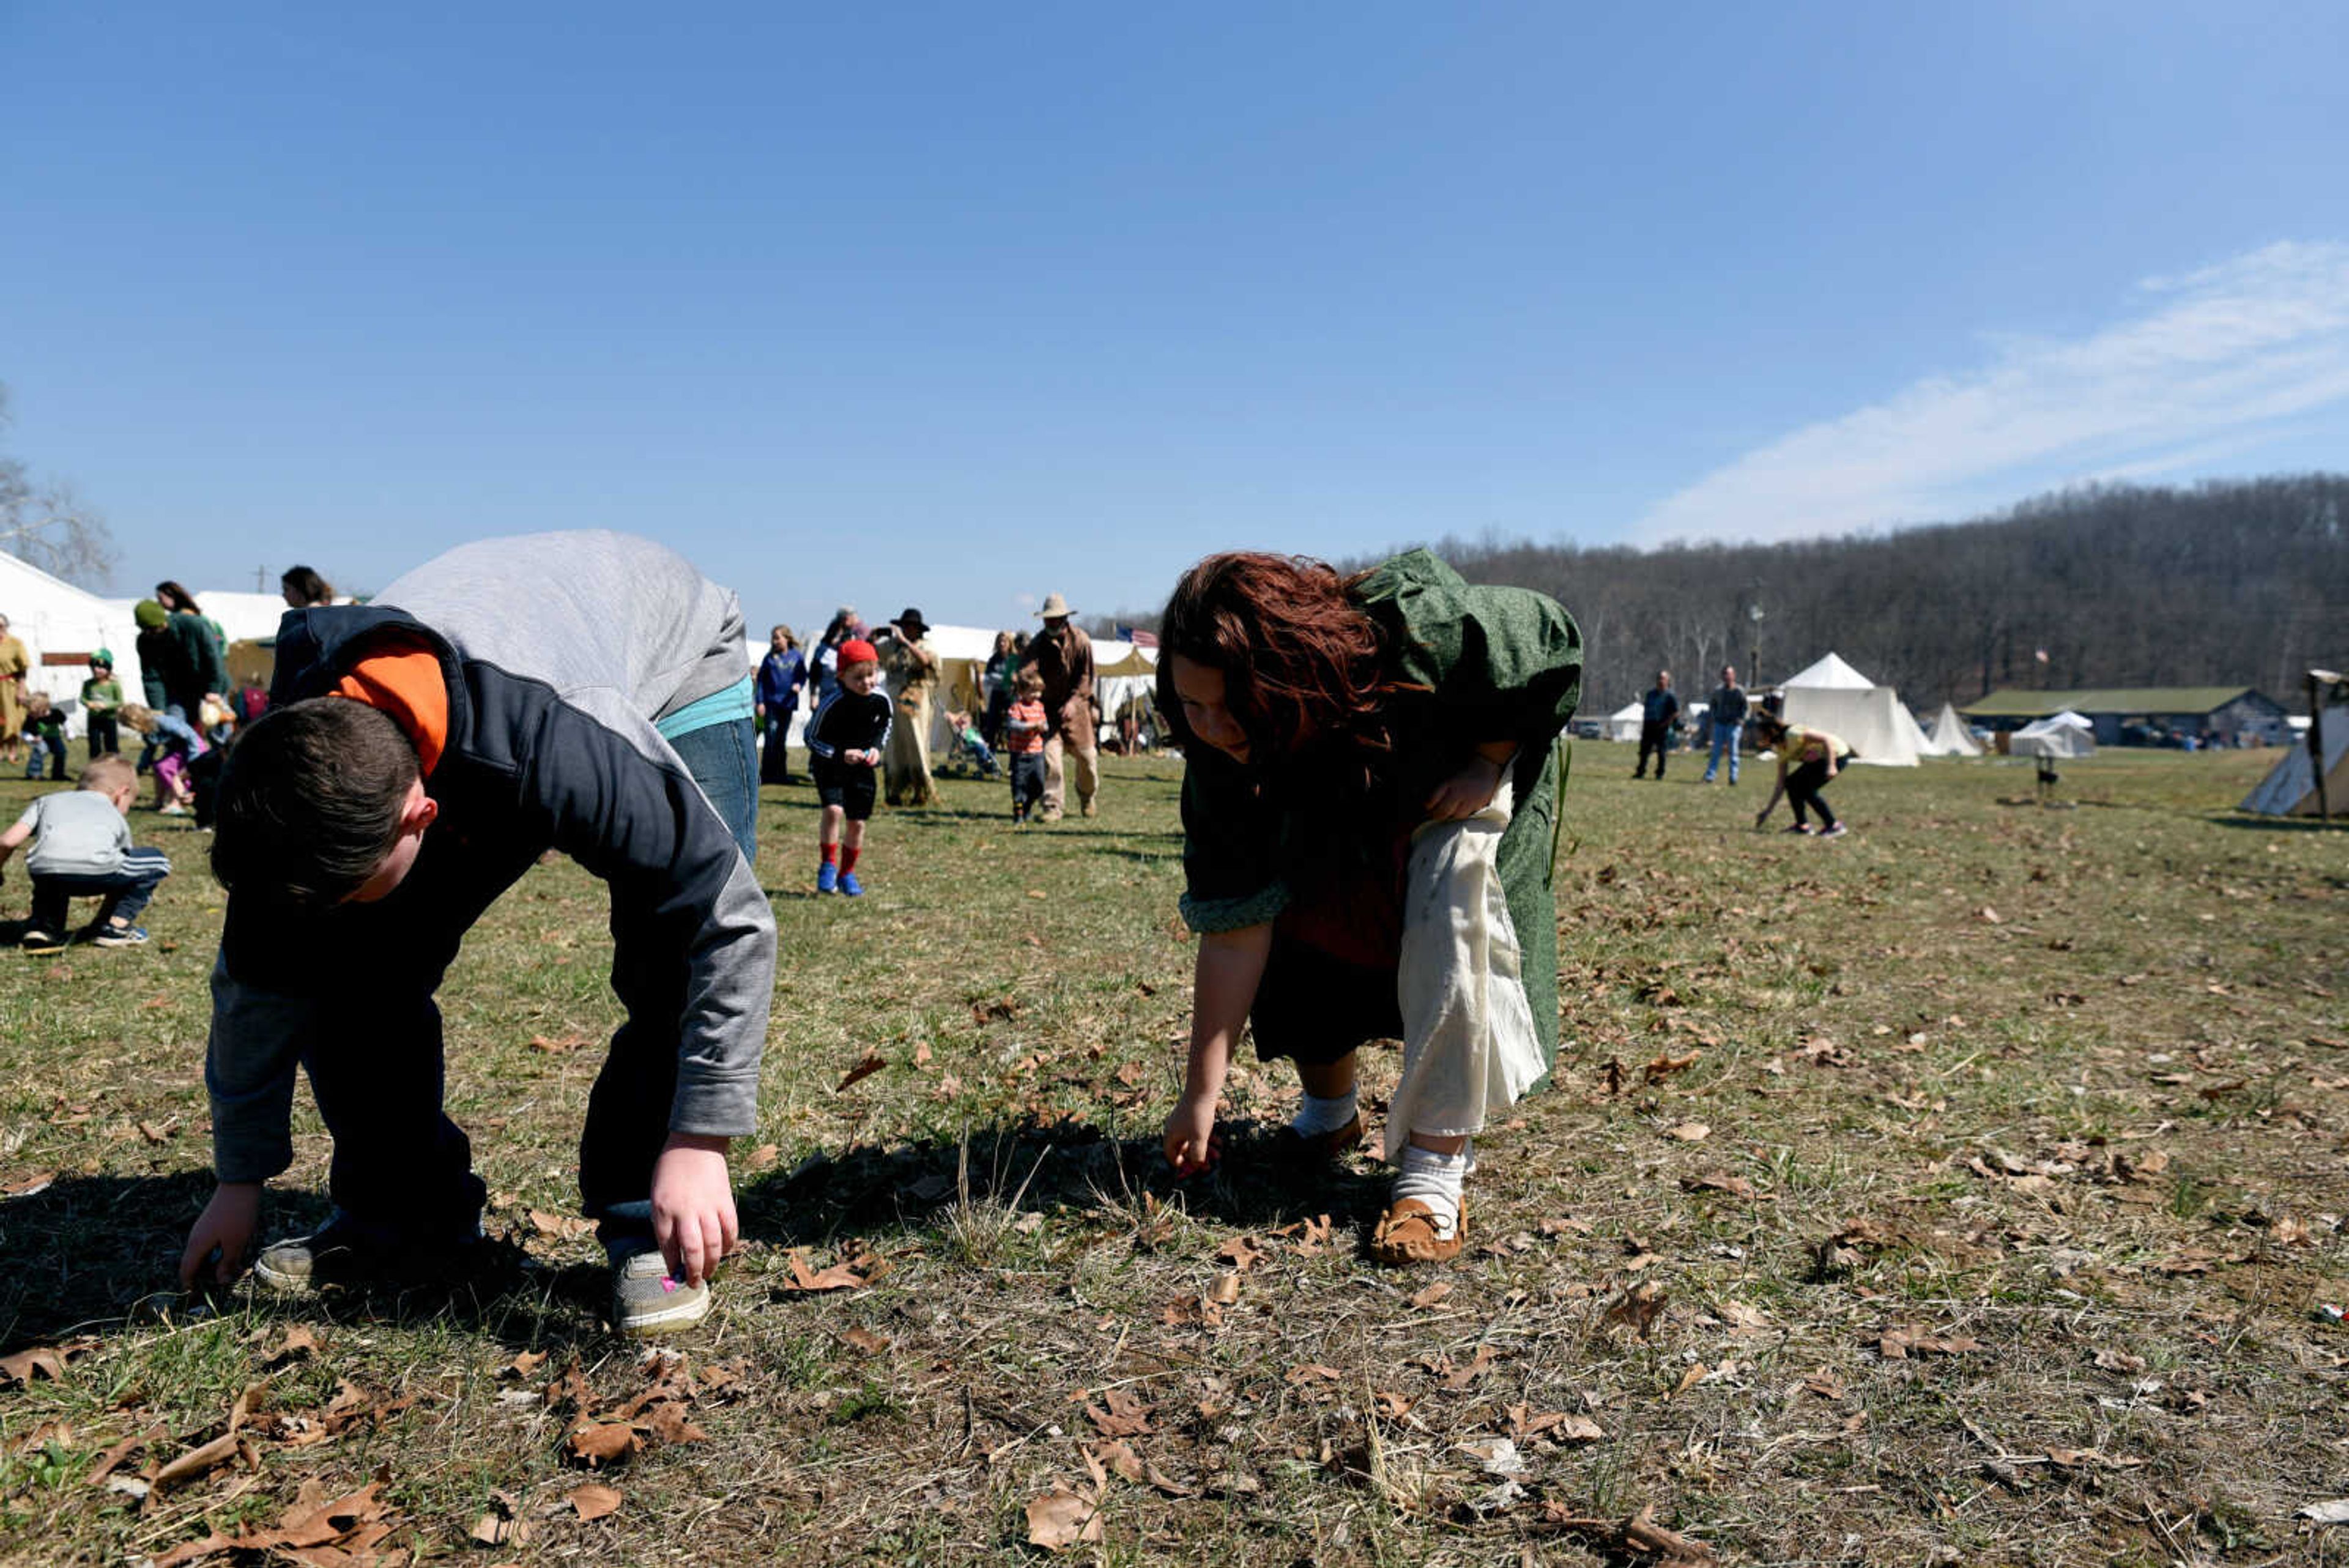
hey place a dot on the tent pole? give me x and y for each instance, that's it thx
(2316, 746)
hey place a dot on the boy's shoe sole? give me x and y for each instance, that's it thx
(1836, 832)
(41, 942)
(647, 1304)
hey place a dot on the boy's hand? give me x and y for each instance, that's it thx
(693, 1206)
(223, 1231)
(1192, 1144)
(1466, 793)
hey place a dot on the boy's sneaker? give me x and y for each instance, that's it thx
(347, 1251)
(39, 943)
(1835, 832)
(827, 879)
(646, 1302)
(121, 935)
(851, 886)
(1798, 827)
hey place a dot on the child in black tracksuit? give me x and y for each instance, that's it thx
(846, 741)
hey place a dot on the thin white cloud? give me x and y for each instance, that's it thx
(2216, 361)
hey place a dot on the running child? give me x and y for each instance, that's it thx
(846, 741)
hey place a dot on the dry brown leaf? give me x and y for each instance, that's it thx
(1120, 1457)
(1826, 1382)
(866, 1340)
(763, 1157)
(42, 1361)
(668, 1423)
(1899, 1344)
(1060, 1520)
(497, 1530)
(1637, 1308)
(1393, 1407)
(1121, 1414)
(552, 1044)
(1463, 1376)
(197, 1461)
(1242, 1252)
(1688, 1132)
(523, 1364)
(849, 1274)
(1735, 1186)
(1226, 1291)
(603, 1442)
(298, 1343)
(594, 1501)
(1665, 1065)
(562, 1226)
(2120, 1361)
(1311, 1371)
(1432, 1294)
(26, 1186)
(870, 1064)
(1688, 1379)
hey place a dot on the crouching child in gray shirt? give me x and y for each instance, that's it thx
(82, 849)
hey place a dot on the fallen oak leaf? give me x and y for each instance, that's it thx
(1432, 1295)
(592, 1501)
(870, 1064)
(1242, 1252)
(1638, 1308)
(1121, 1414)
(1061, 1519)
(603, 1442)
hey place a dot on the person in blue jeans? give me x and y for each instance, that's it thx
(1726, 712)
(782, 675)
(581, 692)
(82, 849)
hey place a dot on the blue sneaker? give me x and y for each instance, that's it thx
(121, 936)
(827, 880)
(851, 886)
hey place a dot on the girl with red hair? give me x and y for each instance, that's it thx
(1368, 797)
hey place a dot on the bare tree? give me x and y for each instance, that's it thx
(50, 526)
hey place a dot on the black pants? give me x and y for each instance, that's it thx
(374, 1063)
(126, 891)
(1651, 738)
(104, 734)
(775, 756)
(1803, 787)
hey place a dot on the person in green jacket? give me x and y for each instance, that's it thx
(1330, 727)
(101, 699)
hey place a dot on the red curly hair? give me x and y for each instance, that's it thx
(1299, 659)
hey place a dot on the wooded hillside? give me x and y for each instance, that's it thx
(2237, 582)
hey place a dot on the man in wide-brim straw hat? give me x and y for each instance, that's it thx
(912, 670)
(1063, 654)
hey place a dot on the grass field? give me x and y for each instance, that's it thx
(1958, 1192)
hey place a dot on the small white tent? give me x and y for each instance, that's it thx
(1623, 725)
(55, 618)
(2064, 734)
(1949, 737)
(1832, 696)
(2290, 788)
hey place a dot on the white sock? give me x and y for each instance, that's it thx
(1316, 1115)
(1434, 1179)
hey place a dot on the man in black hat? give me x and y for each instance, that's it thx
(912, 672)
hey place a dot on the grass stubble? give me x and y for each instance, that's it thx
(1958, 1192)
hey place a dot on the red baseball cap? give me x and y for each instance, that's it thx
(857, 650)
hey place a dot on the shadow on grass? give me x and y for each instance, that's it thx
(913, 1189)
(100, 1254)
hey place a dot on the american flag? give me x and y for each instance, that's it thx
(1137, 636)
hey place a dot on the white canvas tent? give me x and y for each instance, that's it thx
(1832, 696)
(1949, 737)
(51, 615)
(2064, 734)
(1623, 725)
(2290, 788)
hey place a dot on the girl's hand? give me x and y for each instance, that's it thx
(1192, 1142)
(1466, 793)
(693, 1206)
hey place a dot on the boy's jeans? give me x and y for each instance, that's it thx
(1724, 737)
(398, 1160)
(126, 891)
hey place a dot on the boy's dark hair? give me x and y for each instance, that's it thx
(310, 801)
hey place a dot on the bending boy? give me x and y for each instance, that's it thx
(583, 692)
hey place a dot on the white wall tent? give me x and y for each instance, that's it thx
(2290, 788)
(2064, 734)
(1623, 725)
(53, 616)
(1832, 696)
(1949, 737)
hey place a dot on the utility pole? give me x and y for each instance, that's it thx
(260, 579)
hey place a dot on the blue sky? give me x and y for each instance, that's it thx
(953, 305)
